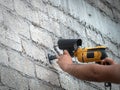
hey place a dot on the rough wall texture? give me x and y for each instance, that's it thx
(30, 28)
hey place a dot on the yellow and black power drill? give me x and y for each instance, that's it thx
(87, 54)
(95, 54)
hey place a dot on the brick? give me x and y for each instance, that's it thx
(61, 4)
(39, 4)
(112, 47)
(111, 55)
(47, 75)
(64, 30)
(43, 18)
(93, 86)
(3, 56)
(92, 15)
(16, 24)
(21, 63)
(99, 85)
(83, 11)
(73, 24)
(63, 18)
(104, 23)
(39, 35)
(1, 15)
(81, 32)
(110, 1)
(36, 85)
(34, 51)
(54, 26)
(74, 8)
(9, 4)
(118, 50)
(116, 59)
(13, 79)
(39, 85)
(24, 9)
(48, 24)
(85, 42)
(0, 73)
(101, 5)
(9, 34)
(9, 38)
(57, 14)
(56, 3)
(68, 82)
(70, 33)
(115, 3)
(10, 43)
(116, 15)
(96, 37)
(4, 88)
(107, 29)
(116, 86)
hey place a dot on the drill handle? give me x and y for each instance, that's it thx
(104, 54)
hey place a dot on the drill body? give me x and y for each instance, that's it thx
(88, 54)
(95, 54)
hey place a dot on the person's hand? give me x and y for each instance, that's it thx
(64, 60)
(108, 61)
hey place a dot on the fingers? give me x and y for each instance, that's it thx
(66, 52)
(103, 62)
(60, 56)
(65, 57)
(107, 61)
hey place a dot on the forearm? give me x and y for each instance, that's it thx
(83, 72)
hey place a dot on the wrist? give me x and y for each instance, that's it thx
(67, 67)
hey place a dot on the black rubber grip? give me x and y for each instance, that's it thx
(104, 54)
(90, 54)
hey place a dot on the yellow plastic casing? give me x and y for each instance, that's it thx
(89, 54)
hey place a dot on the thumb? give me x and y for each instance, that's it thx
(66, 52)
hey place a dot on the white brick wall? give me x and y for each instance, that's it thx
(36, 85)
(47, 75)
(40, 36)
(21, 64)
(3, 56)
(31, 50)
(30, 28)
(13, 79)
(26, 10)
(9, 4)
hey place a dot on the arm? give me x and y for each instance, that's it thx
(90, 72)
